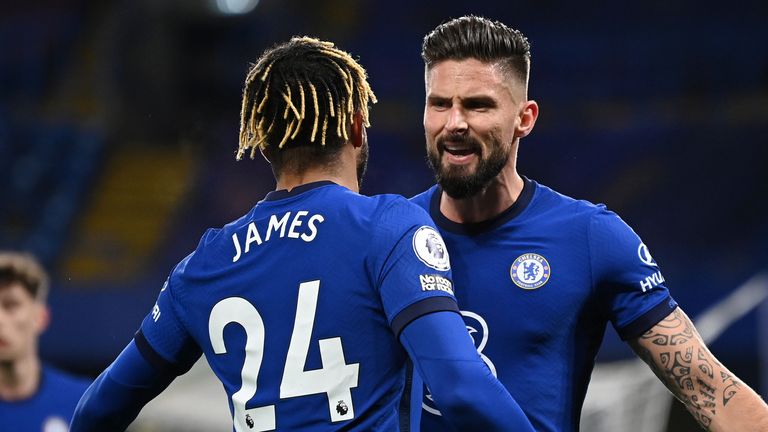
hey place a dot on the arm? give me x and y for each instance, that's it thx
(464, 389)
(114, 400)
(716, 398)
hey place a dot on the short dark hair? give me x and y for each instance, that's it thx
(298, 100)
(24, 269)
(480, 38)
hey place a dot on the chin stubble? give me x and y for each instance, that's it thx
(458, 182)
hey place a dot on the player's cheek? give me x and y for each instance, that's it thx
(433, 123)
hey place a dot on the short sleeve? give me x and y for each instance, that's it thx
(162, 339)
(626, 276)
(413, 266)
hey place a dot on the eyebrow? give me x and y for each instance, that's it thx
(433, 98)
(467, 101)
(479, 100)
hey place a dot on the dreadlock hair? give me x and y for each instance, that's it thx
(479, 38)
(24, 269)
(298, 101)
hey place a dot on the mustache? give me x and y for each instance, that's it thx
(461, 139)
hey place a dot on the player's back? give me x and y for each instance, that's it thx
(284, 303)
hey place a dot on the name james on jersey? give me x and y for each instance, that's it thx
(279, 225)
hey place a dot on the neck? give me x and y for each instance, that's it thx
(19, 378)
(490, 202)
(343, 173)
(288, 182)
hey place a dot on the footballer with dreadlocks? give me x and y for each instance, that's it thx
(308, 307)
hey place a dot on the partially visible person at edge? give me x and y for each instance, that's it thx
(318, 294)
(539, 274)
(33, 396)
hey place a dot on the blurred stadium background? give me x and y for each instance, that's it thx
(119, 120)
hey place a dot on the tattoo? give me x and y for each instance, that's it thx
(732, 386)
(673, 330)
(674, 351)
(708, 398)
(679, 369)
(705, 366)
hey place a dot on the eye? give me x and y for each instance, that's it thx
(479, 105)
(10, 305)
(439, 104)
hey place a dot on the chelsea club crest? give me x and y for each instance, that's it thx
(530, 271)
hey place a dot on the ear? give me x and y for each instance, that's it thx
(528, 115)
(43, 317)
(358, 130)
(264, 155)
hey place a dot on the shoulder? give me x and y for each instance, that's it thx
(392, 219)
(561, 213)
(400, 212)
(558, 206)
(423, 199)
(213, 249)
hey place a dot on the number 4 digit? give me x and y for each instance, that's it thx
(336, 378)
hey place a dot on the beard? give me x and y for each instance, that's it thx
(362, 164)
(460, 181)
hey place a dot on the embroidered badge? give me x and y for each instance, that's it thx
(430, 248)
(530, 271)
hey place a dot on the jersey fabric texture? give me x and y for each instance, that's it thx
(49, 409)
(537, 286)
(324, 280)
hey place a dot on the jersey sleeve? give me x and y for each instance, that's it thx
(626, 276)
(163, 339)
(413, 266)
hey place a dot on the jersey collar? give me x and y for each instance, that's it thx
(475, 228)
(284, 193)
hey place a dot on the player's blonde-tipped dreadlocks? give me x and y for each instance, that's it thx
(277, 88)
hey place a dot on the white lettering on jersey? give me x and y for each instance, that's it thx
(312, 227)
(296, 223)
(651, 281)
(155, 312)
(275, 224)
(431, 282)
(279, 225)
(253, 236)
(237, 248)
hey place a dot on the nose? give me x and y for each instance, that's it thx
(457, 121)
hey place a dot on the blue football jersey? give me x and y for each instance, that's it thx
(49, 409)
(537, 286)
(297, 307)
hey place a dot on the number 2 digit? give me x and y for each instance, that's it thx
(239, 310)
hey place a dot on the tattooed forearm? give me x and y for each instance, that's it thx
(674, 351)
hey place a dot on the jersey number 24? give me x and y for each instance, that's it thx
(336, 378)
